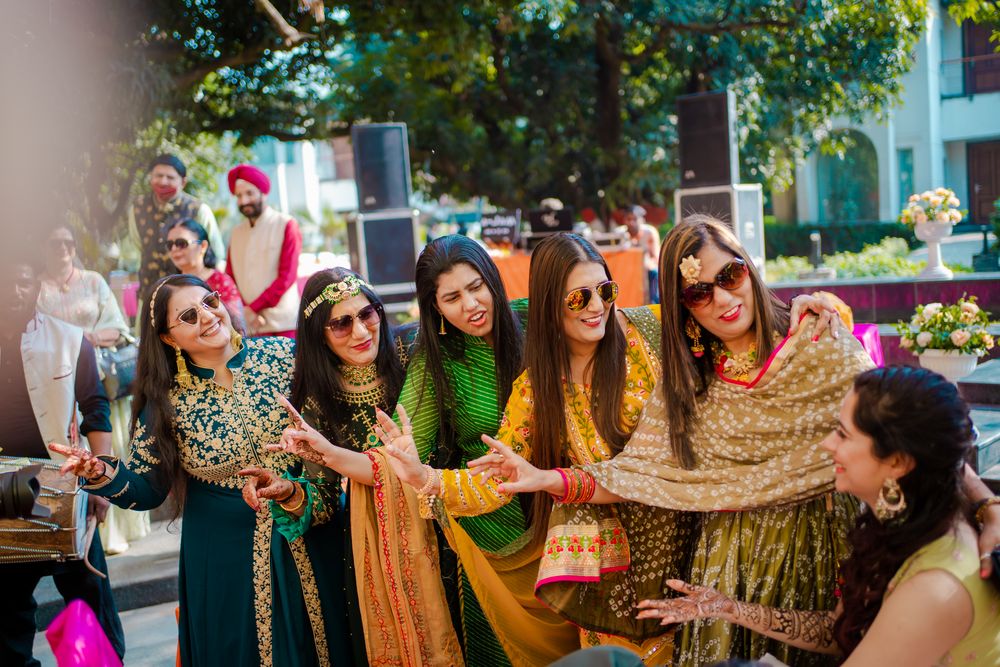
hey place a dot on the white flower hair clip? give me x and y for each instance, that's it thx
(690, 269)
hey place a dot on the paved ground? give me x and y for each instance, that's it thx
(150, 638)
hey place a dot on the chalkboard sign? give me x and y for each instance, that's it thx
(547, 222)
(501, 228)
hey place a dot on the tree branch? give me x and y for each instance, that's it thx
(251, 53)
(665, 28)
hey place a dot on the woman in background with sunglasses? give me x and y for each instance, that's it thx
(188, 248)
(206, 406)
(81, 297)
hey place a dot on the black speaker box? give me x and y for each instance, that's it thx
(381, 166)
(383, 248)
(706, 126)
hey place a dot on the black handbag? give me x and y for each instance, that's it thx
(117, 366)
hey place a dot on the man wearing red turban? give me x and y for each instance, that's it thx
(263, 256)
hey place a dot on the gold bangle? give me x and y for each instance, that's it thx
(302, 500)
(983, 505)
(432, 478)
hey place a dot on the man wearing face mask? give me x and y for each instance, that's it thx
(263, 256)
(49, 392)
(154, 213)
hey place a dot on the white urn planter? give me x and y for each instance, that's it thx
(932, 233)
(952, 364)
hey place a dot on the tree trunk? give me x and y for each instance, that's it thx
(607, 53)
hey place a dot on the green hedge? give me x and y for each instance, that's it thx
(784, 239)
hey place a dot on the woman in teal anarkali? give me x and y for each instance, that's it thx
(207, 406)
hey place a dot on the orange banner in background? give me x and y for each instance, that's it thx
(625, 265)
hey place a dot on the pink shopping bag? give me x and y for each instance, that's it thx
(77, 639)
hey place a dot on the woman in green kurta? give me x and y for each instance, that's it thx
(206, 408)
(467, 356)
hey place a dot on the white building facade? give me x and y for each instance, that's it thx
(945, 132)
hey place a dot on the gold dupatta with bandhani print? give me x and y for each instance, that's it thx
(757, 445)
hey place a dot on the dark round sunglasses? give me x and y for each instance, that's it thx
(180, 243)
(59, 244)
(369, 316)
(730, 277)
(578, 299)
(189, 316)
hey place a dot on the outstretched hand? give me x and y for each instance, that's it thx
(698, 602)
(501, 461)
(79, 462)
(264, 484)
(401, 448)
(301, 439)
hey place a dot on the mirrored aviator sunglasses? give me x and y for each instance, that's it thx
(370, 316)
(579, 298)
(730, 277)
(189, 316)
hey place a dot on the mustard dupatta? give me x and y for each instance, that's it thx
(404, 610)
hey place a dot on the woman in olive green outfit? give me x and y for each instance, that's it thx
(467, 356)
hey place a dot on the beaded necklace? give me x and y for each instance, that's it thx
(359, 376)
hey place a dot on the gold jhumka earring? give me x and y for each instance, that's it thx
(693, 331)
(442, 331)
(183, 375)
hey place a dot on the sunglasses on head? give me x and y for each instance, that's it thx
(180, 243)
(369, 316)
(730, 277)
(189, 316)
(59, 244)
(579, 298)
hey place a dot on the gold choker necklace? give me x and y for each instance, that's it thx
(735, 366)
(359, 376)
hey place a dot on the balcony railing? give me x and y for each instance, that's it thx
(969, 76)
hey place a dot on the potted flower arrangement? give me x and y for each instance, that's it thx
(933, 213)
(948, 339)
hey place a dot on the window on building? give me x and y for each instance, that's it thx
(982, 62)
(264, 151)
(848, 182)
(904, 158)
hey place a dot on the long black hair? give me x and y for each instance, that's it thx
(155, 376)
(194, 226)
(911, 411)
(548, 360)
(441, 256)
(317, 369)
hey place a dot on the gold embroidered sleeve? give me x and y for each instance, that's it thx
(137, 483)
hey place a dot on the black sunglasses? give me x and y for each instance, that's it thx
(189, 316)
(730, 277)
(180, 243)
(369, 316)
(577, 300)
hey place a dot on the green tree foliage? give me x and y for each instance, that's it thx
(523, 100)
(978, 11)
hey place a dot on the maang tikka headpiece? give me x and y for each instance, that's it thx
(336, 292)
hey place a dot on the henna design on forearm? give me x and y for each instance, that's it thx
(807, 629)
